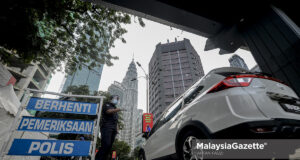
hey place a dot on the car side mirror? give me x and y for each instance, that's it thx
(145, 135)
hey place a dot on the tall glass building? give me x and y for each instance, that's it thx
(85, 76)
(128, 93)
(237, 61)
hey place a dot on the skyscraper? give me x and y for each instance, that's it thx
(117, 89)
(173, 68)
(237, 61)
(85, 76)
(138, 129)
(255, 69)
(139, 120)
(127, 91)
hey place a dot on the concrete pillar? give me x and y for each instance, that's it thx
(24, 82)
(275, 45)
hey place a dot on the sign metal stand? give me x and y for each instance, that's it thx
(24, 102)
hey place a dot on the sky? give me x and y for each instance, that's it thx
(140, 46)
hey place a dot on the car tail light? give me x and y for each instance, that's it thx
(239, 81)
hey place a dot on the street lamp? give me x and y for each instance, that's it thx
(147, 86)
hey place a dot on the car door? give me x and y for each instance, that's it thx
(172, 117)
(163, 140)
(149, 147)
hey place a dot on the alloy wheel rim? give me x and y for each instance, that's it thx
(189, 149)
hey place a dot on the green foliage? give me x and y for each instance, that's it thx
(80, 90)
(57, 31)
(122, 149)
(120, 120)
(103, 93)
(136, 152)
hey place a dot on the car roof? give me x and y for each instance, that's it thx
(227, 69)
(214, 71)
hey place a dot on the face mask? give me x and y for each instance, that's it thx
(114, 101)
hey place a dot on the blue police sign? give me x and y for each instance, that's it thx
(56, 125)
(33, 147)
(54, 105)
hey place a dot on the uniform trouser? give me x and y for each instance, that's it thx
(108, 136)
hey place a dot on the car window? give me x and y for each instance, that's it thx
(153, 129)
(156, 126)
(190, 96)
(171, 112)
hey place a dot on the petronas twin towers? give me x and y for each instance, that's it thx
(127, 91)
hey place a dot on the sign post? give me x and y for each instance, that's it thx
(97, 129)
(37, 147)
(13, 125)
(34, 124)
(114, 155)
(147, 122)
(34, 147)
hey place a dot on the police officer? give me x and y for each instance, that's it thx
(109, 127)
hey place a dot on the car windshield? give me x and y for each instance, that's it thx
(190, 96)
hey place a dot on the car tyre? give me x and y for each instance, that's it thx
(186, 144)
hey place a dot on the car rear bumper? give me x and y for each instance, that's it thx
(267, 129)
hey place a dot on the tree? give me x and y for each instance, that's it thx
(57, 31)
(122, 149)
(136, 152)
(80, 90)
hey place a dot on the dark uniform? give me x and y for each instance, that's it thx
(108, 128)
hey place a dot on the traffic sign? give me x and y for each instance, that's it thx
(56, 125)
(38, 147)
(147, 122)
(55, 105)
(114, 155)
(34, 147)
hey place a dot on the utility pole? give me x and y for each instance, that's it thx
(147, 87)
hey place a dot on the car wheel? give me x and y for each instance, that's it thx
(187, 147)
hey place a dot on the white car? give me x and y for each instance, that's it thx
(226, 103)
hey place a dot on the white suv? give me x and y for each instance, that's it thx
(226, 103)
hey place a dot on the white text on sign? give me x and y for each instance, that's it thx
(51, 148)
(56, 125)
(62, 106)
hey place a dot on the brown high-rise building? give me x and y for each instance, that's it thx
(173, 68)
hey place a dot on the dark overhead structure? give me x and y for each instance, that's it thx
(267, 28)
